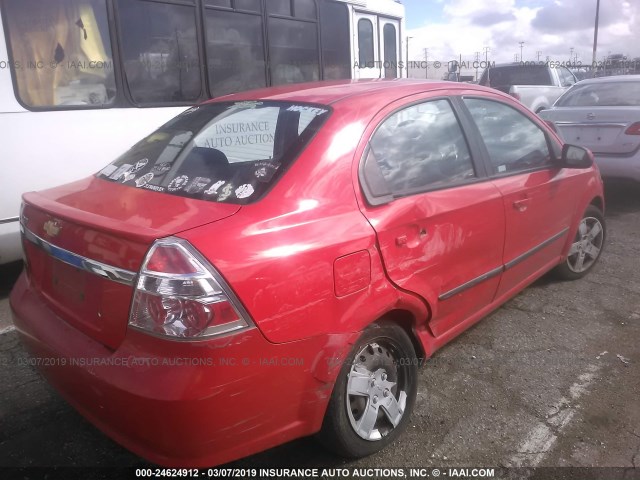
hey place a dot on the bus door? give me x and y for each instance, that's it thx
(367, 48)
(390, 48)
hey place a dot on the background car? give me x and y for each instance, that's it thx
(603, 114)
(272, 264)
(536, 85)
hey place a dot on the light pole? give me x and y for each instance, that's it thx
(571, 54)
(595, 35)
(408, 38)
(477, 64)
(538, 54)
(521, 47)
(426, 62)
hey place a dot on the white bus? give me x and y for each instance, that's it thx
(83, 80)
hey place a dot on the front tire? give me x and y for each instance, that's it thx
(374, 394)
(587, 246)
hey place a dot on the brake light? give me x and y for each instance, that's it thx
(633, 129)
(180, 295)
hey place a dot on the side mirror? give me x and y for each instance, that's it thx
(574, 156)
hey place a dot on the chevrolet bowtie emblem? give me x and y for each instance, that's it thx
(52, 228)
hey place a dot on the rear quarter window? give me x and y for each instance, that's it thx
(605, 94)
(222, 152)
(519, 75)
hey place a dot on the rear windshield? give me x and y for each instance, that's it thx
(517, 75)
(222, 152)
(602, 94)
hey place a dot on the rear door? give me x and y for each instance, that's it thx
(439, 222)
(539, 198)
(390, 46)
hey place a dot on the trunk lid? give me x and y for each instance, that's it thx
(85, 242)
(600, 129)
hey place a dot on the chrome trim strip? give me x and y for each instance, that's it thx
(497, 271)
(594, 124)
(9, 220)
(472, 283)
(535, 250)
(103, 270)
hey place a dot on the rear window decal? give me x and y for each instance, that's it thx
(197, 185)
(245, 191)
(139, 165)
(128, 176)
(161, 168)
(305, 109)
(143, 180)
(247, 104)
(155, 188)
(178, 183)
(120, 171)
(264, 171)
(108, 170)
(225, 193)
(213, 190)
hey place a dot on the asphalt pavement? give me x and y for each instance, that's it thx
(551, 379)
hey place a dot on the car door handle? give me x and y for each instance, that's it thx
(522, 204)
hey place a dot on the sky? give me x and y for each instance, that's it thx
(449, 28)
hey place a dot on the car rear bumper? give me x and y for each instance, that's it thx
(179, 404)
(619, 166)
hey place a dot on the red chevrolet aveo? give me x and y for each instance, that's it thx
(272, 264)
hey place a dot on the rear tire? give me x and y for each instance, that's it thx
(587, 246)
(374, 394)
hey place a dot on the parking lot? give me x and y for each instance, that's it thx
(550, 379)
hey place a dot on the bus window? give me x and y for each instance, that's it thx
(293, 42)
(160, 52)
(336, 39)
(218, 3)
(365, 42)
(390, 51)
(62, 52)
(235, 51)
(305, 9)
(279, 7)
(250, 5)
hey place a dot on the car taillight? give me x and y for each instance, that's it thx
(180, 295)
(633, 129)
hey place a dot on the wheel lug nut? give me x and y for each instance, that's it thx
(385, 393)
(384, 376)
(375, 399)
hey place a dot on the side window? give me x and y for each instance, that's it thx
(365, 42)
(235, 50)
(160, 51)
(421, 147)
(514, 142)
(62, 52)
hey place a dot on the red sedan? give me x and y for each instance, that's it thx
(273, 264)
